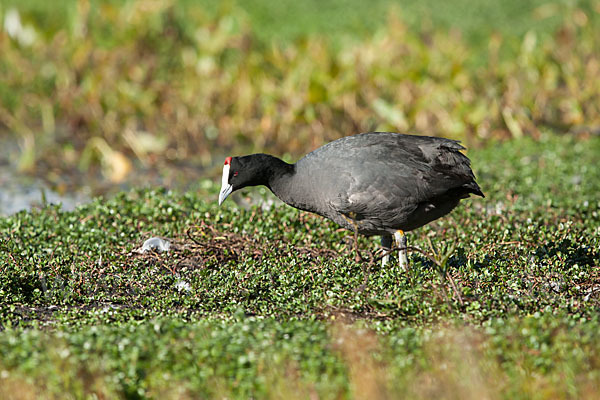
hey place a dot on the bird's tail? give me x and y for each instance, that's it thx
(473, 187)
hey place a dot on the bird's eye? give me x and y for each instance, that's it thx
(235, 173)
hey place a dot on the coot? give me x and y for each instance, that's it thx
(377, 183)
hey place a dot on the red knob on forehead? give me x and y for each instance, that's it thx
(227, 161)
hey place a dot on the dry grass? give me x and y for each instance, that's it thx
(457, 369)
(18, 389)
(455, 364)
(368, 375)
(22, 388)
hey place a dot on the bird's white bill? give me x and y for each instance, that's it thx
(226, 188)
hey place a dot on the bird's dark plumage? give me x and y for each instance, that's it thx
(377, 183)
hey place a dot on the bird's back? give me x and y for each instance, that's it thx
(385, 181)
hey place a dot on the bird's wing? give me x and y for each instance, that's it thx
(375, 197)
(398, 175)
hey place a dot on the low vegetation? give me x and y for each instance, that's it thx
(265, 302)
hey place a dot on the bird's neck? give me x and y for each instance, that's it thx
(291, 187)
(284, 180)
(277, 172)
(280, 177)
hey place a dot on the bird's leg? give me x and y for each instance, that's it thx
(401, 243)
(386, 244)
(359, 259)
(352, 222)
(357, 256)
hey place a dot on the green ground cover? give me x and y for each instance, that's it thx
(253, 302)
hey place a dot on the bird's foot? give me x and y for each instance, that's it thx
(403, 260)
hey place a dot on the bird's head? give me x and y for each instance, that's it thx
(239, 172)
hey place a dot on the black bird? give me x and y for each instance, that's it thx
(377, 183)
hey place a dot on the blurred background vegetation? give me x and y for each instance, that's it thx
(108, 86)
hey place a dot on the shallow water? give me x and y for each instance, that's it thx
(19, 192)
(44, 186)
